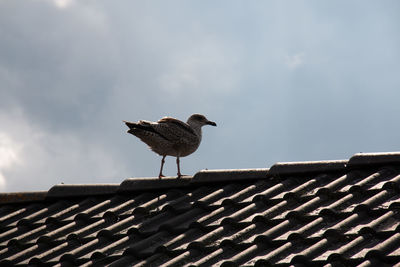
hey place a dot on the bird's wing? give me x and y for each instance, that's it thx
(171, 121)
(144, 130)
(175, 130)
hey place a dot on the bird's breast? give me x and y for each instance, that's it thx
(183, 149)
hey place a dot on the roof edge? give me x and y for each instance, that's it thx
(303, 167)
(152, 183)
(379, 158)
(204, 176)
(77, 190)
(22, 197)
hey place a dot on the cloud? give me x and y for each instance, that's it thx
(294, 61)
(8, 150)
(9, 156)
(35, 158)
(2, 182)
(204, 64)
(62, 3)
(57, 66)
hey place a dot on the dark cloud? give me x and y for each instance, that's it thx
(59, 63)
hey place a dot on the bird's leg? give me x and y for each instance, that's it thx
(179, 169)
(162, 165)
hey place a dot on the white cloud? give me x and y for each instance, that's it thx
(9, 156)
(2, 182)
(208, 66)
(8, 150)
(63, 3)
(294, 61)
(35, 158)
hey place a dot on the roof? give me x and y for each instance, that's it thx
(335, 213)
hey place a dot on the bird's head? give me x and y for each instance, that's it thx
(201, 120)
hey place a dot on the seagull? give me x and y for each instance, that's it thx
(170, 136)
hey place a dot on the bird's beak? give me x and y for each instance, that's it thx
(211, 123)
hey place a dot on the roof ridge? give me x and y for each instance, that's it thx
(287, 168)
(75, 190)
(377, 158)
(203, 176)
(152, 183)
(20, 197)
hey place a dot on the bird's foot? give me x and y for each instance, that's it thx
(160, 176)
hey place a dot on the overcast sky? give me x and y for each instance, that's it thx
(284, 81)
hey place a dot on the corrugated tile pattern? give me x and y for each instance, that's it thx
(348, 217)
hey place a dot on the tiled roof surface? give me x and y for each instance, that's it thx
(337, 213)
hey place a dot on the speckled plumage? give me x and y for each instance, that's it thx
(170, 137)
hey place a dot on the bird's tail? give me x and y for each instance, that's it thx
(142, 125)
(130, 124)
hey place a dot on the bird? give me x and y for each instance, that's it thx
(170, 137)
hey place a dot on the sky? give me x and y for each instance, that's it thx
(284, 81)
